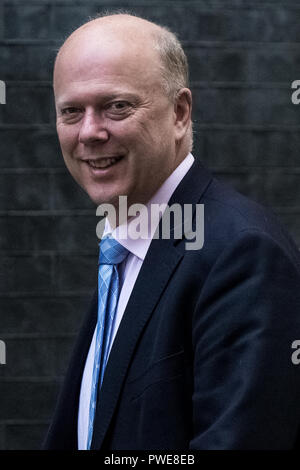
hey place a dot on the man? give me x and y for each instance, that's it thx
(199, 352)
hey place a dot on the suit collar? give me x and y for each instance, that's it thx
(161, 260)
(193, 185)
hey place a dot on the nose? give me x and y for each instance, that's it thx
(92, 129)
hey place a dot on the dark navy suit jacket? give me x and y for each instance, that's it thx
(202, 357)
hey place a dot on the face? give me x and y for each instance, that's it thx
(116, 126)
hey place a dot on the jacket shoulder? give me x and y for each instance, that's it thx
(230, 215)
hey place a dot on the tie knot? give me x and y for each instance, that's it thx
(111, 251)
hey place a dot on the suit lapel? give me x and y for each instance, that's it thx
(161, 260)
(138, 311)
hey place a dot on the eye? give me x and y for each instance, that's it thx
(70, 110)
(118, 107)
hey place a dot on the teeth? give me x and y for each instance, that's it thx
(103, 163)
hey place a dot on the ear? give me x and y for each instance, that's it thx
(182, 112)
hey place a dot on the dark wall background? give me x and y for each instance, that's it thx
(243, 57)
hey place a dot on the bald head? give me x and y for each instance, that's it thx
(142, 38)
(124, 26)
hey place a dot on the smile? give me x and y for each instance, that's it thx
(103, 162)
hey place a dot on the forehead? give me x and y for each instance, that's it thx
(110, 60)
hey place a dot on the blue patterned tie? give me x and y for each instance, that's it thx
(111, 253)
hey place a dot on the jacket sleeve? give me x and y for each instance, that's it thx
(246, 387)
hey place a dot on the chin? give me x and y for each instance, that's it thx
(106, 196)
(107, 199)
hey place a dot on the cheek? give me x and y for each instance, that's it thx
(67, 138)
(136, 129)
(158, 129)
(143, 136)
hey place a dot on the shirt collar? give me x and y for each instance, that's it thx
(139, 247)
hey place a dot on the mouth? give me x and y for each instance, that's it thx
(103, 163)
